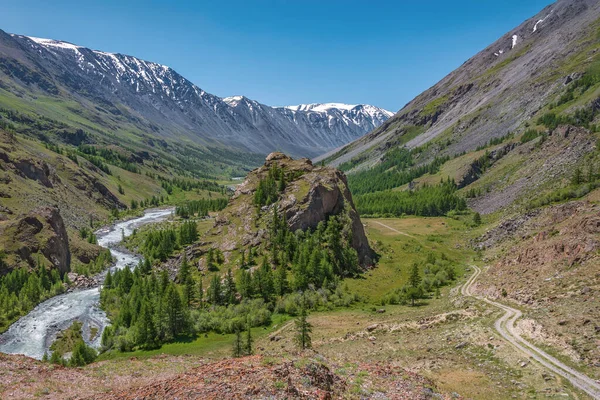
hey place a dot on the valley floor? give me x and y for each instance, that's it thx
(447, 345)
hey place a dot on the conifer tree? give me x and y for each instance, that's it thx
(146, 329)
(249, 341)
(280, 280)
(303, 328)
(477, 219)
(230, 288)
(200, 294)
(415, 277)
(215, 290)
(238, 345)
(108, 281)
(175, 311)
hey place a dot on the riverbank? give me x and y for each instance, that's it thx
(33, 333)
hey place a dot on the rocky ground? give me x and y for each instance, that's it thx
(547, 263)
(308, 377)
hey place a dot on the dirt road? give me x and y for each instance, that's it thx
(505, 326)
(392, 229)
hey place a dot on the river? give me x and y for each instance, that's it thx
(33, 333)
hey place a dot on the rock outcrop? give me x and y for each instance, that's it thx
(316, 194)
(42, 231)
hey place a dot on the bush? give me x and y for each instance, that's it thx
(82, 355)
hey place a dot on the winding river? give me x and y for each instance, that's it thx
(33, 334)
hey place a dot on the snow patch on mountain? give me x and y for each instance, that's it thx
(541, 21)
(168, 99)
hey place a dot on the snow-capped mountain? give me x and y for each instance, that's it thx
(168, 105)
(336, 123)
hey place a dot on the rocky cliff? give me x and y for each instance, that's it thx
(41, 233)
(316, 194)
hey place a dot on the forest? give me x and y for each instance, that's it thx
(21, 290)
(148, 308)
(427, 201)
(396, 169)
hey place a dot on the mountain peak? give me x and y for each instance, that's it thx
(343, 107)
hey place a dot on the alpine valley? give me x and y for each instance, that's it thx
(157, 241)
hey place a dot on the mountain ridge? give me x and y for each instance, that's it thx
(174, 106)
(493, 92)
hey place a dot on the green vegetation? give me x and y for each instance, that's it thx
(396, 169)
(583, 117)
(71, 341)
(303, 329)
(531, 134)
(160, 243)
(21, 290)
(434, 106)
(95, 266)
(496, 141)
(200, 208)
(275, 182)
(578, 87)
(147, 309)
(438, 272)
(425, 201)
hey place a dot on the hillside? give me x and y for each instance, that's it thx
(510, 82)
(304, 196)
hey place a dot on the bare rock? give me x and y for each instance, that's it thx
(41, 231)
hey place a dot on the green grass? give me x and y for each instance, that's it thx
(209, 345)
(398, 251)
(433, 106)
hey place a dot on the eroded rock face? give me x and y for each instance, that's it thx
(315, 195)
(41, 231)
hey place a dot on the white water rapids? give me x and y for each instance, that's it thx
(33, 334)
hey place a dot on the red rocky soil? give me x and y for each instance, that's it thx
(166, 377)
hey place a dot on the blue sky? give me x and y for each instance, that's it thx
(285, 52)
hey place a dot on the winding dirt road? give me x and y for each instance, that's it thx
(505, 325)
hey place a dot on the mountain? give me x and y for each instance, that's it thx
(161, 102)
(495, 92)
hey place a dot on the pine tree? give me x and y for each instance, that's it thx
(214, 289)
(164, 280)
(303, 328)
(108, 281)
(477, 219)
(244, 284)
(189, 290)
(146, 329)
(264, 280)
(243, 260)
(200, 294)
(56, 358)
(238, 345)
(280, 280)
(82, 355)
(249, 341)
(175, 311)
(230, 288)
(415, 277)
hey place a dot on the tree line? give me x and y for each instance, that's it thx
(148, 308)
(200, 208)
(396, 169)
(21, 290)
(160, 243)
(428, 201)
